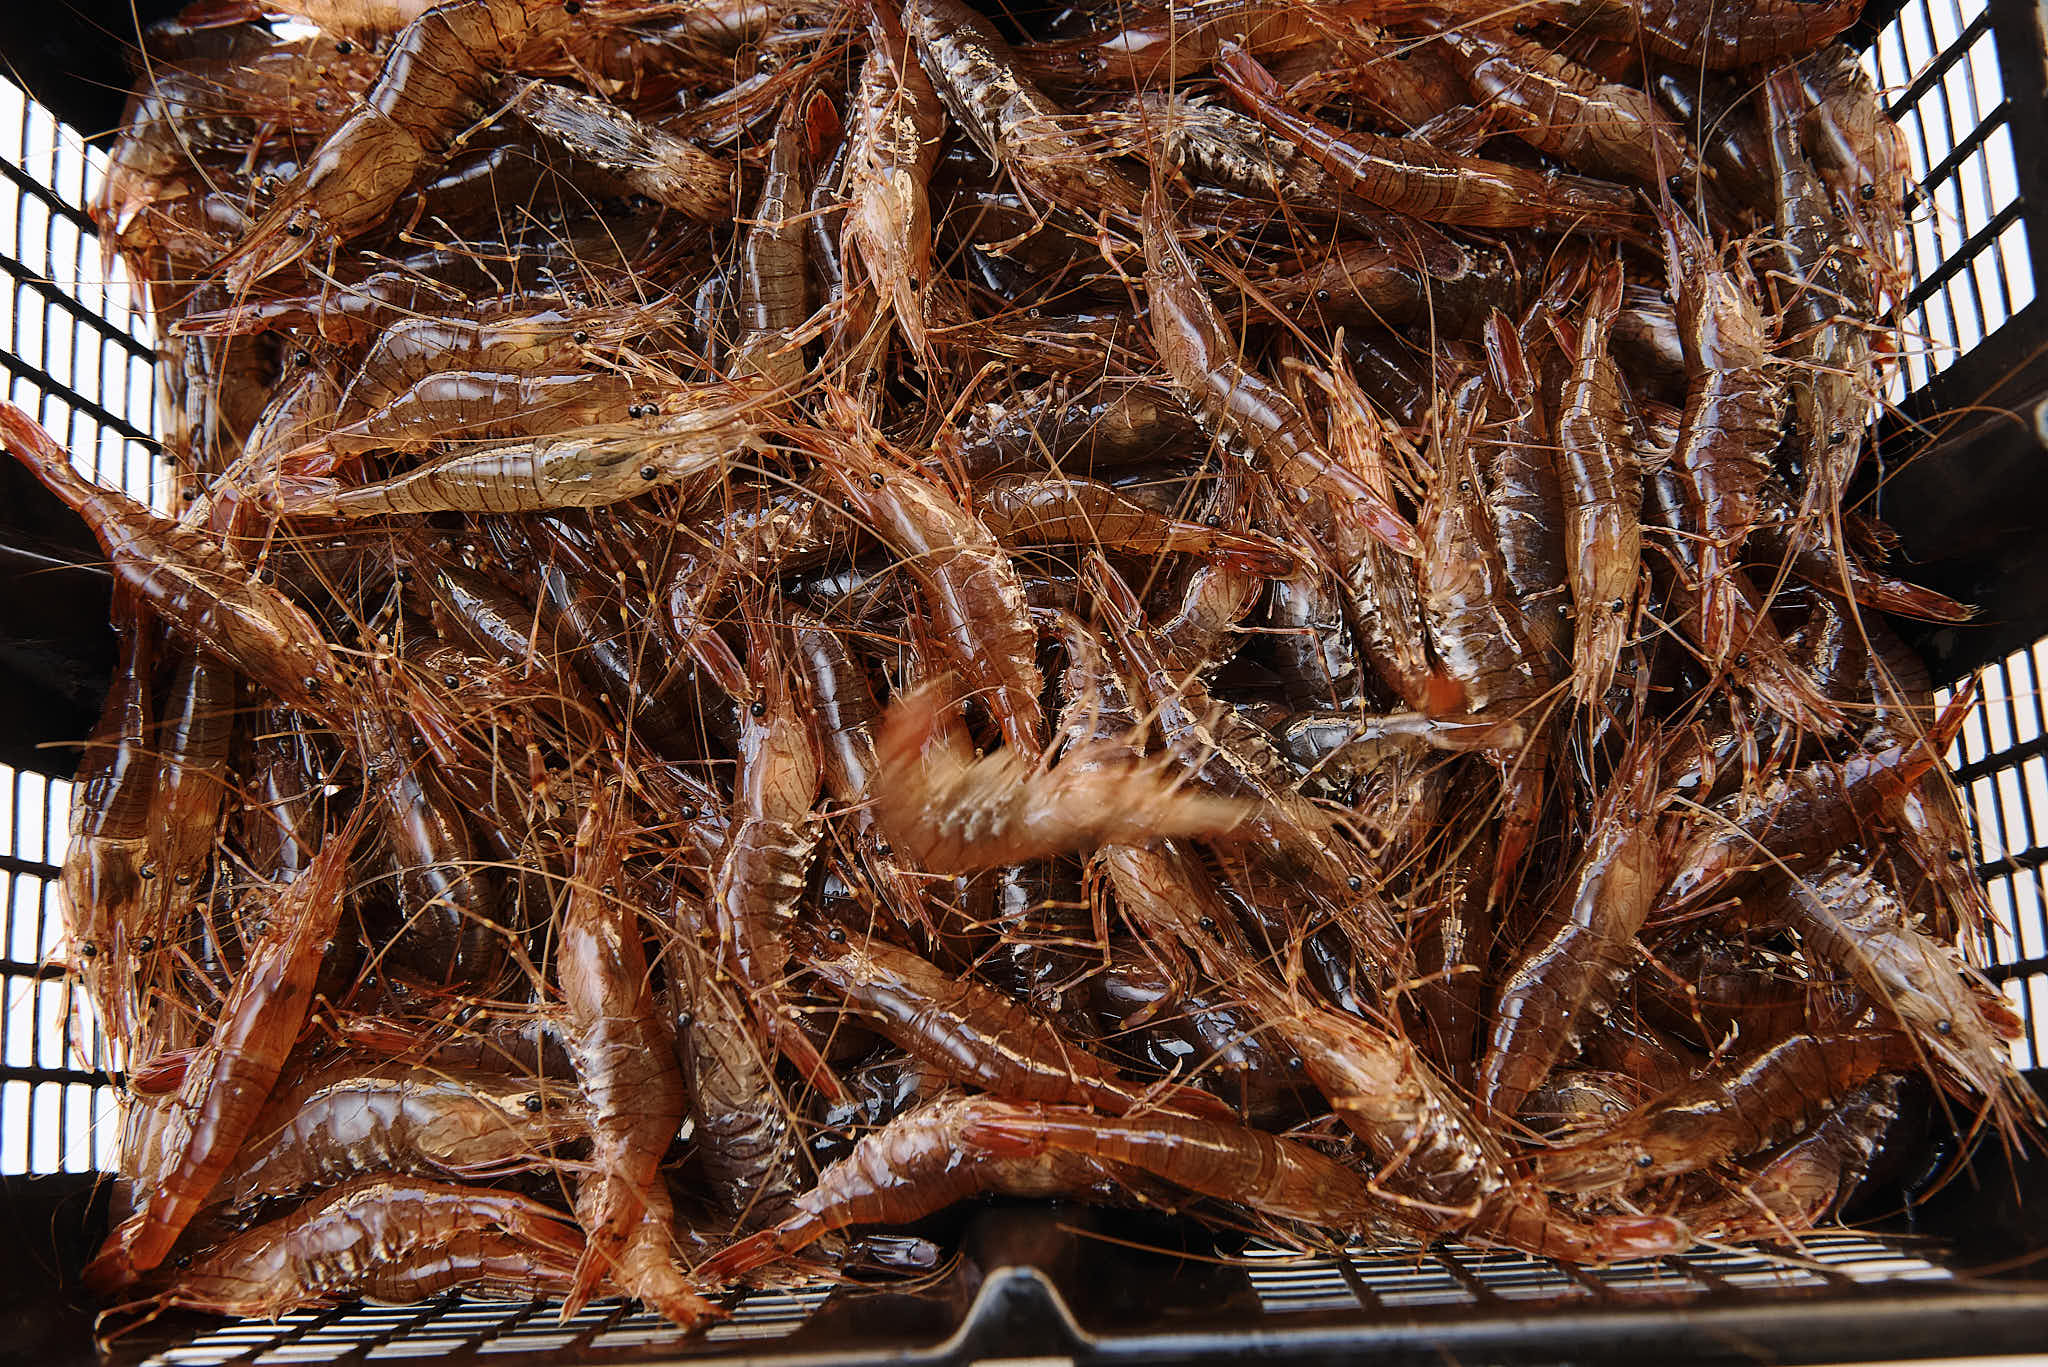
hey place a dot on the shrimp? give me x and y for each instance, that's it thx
(188, 581)
(101, 880)
(1739, 1107)
(1797, 1186)
(1739, 32)
(1803, 817)
(1233, 400)
(1580, 950)
(1013, 122)
(951, 813)
(1083, 512)
(393, 1239)
(587, 467)
(746, 1145)
(897, 124)
(227, 1081)
(346, 1119)
(667, 169)
(772, 297)
(1411, 177)
(972, 1033)
(191, 791)
(626, 1069)
(759, 881)
(1858, 925)
(343, 18)
(1602, 491)
(966, 580)
(1561, 108)
(1733, 404)
(1526, 495)
(439, 67)
(922, 1161)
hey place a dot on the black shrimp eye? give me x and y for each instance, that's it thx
(648, 472)
(88, 950)
(836, 935)
(450, 680)
(1323, 296)
(1212, 520)
(1355, 883)
(147, 871)
(759, 709)
(310, 684)
(294, 230)
(1943, 1026)
(845, 505)
(1402, 55)
(1837, 436)
(610, 889)
(1956, 856)
(1644, 1160)
(572, 6)
(876, 479)
(1868, 191)
(1294, 1065)
(1617, 605)
(687, 813)
(144, 945)
(532, 1103)
(1742, 659)
(344, 47)
(579, 337)
(302, 358)
(1675, 183)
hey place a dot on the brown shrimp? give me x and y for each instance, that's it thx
(1602, 486)
(759, 881)
(1738, 32)
(347, 1119)
(1582, 947)
(897, 125)
(968, 583)
(1234, 400)
(1058, 510)
(1012, 121)
(228, 1080)
(439, 67)
(1858, 925)
(1797, 1186)
(772, 298)
(1739, 1107)
(584, 468)
(974, 1034)
(187, 580)
(395, 1239)
(667, 169)
(626, 1069)
(951, 813)
(1413, 178)
(1561, 108)
(922, 1161)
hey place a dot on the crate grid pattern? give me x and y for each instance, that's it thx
(78, 354)
(1937, 64)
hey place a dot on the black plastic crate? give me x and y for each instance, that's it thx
(1962, 472)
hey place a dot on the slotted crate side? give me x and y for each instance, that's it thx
(79, 356)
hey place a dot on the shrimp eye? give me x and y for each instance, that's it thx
(1401, 56)
(147, 943)
(1355, 883)
(532, 1103)
(1868, 191)
(1942, 1027)
(1956, 856)
(184, 880)
(88, 950)
(1837, 437)
(648, 472)
(1207, 923)
(344, 48)
(579, 337)
(836, 935)
(687, 813)
(876, 479)
(1617, 605)
(302, 358)
(310, 684)
(1294, 1064)
(419, 742)
(845, 505)
(1322, 296)
(610, 889)
(450, 680)
(294, 230)
(572, 6)
(147, 871)
(1521, 28)
(759, 709)
(1742, 660)
(1212, 520)
(1644, 1160)
(188, 493)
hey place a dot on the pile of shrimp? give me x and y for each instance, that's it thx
(780, 617)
